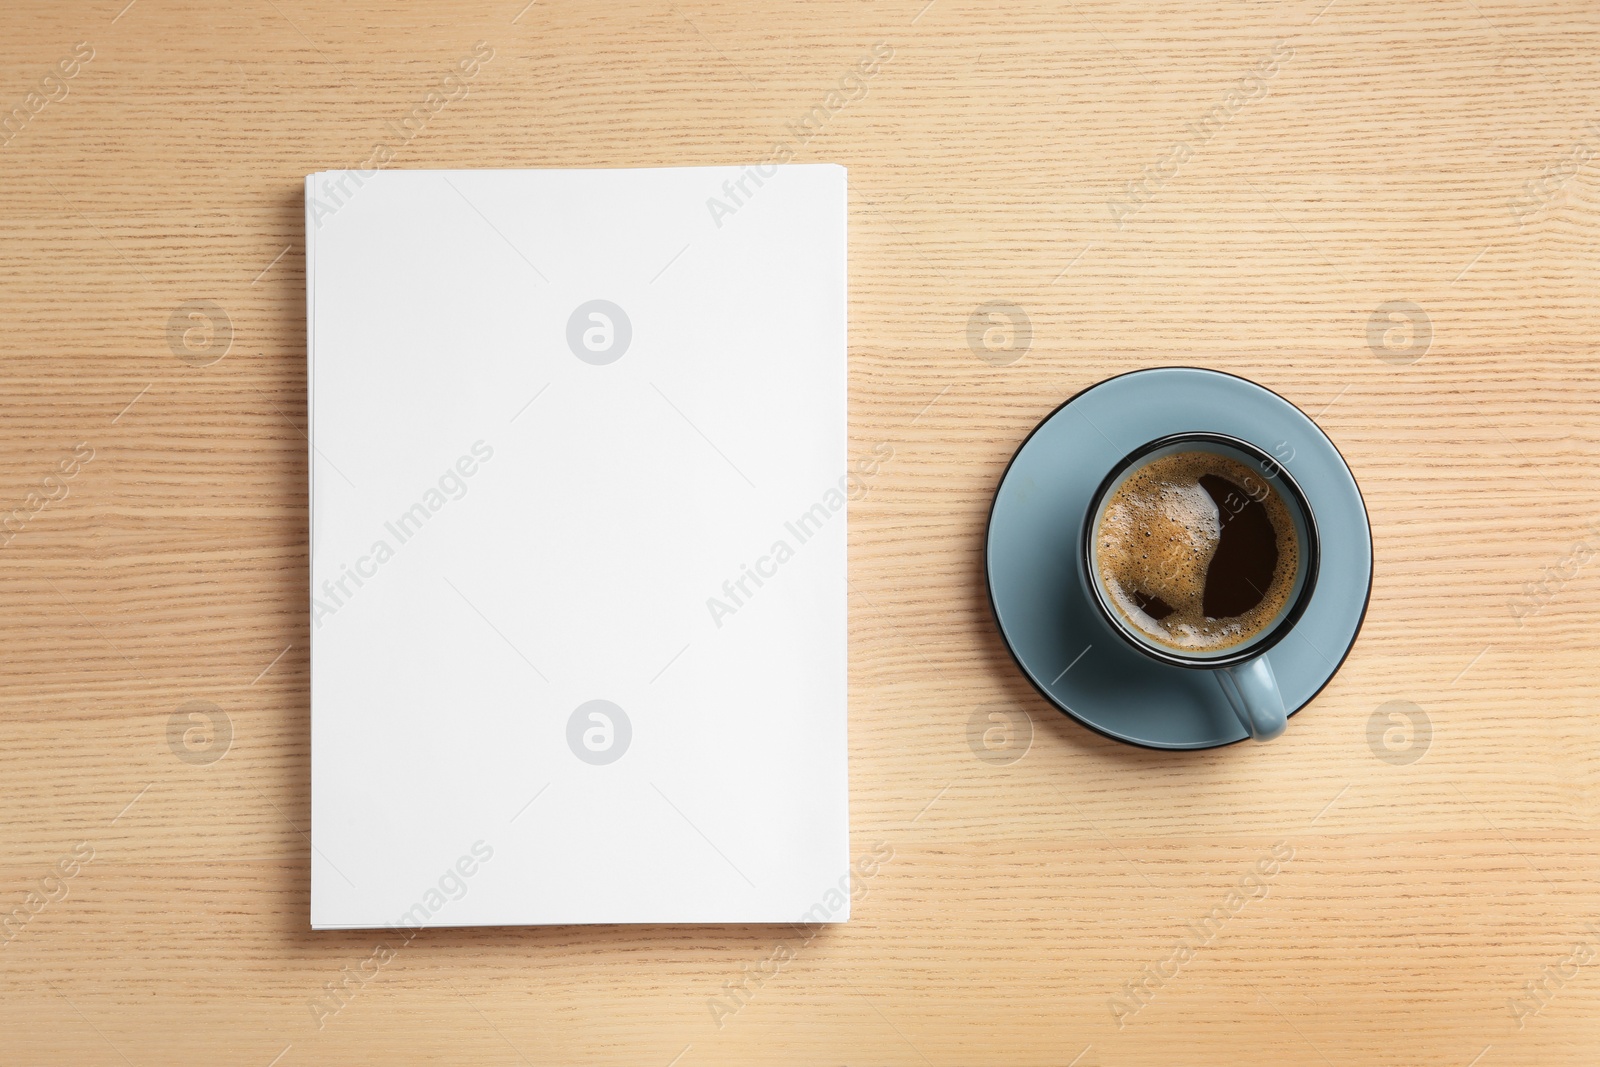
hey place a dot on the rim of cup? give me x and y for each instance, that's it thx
(1293, 497)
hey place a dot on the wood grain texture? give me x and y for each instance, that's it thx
(1432, 153)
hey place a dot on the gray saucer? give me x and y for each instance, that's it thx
(1058, 638)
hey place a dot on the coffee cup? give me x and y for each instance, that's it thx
(1200, 551)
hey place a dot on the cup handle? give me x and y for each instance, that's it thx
(1252, 692)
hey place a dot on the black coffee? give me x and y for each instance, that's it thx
(1197, 551)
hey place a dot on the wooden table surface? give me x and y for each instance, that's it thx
(1386, 212)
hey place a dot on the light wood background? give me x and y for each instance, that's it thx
(1433, 153)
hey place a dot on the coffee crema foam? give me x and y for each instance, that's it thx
(1197, 551)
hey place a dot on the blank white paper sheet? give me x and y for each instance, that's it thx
(578, 546)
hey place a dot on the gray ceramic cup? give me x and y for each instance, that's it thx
(1243, 671)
